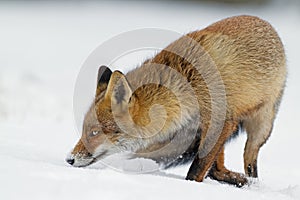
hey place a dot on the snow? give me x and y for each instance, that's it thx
(43, 46)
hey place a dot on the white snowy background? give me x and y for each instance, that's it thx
(42, 47)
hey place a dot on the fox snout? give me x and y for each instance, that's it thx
(70, 160)
(80, 157)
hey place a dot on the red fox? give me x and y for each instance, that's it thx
(163, 109)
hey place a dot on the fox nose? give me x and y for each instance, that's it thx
(70, 161)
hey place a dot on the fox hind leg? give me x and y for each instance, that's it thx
(258, 128)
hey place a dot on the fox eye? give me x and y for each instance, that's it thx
(93, 133)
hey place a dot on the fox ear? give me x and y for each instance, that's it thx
(104, 74)
(118, 89)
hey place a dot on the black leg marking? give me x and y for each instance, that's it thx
(252, 169)
(194, 169)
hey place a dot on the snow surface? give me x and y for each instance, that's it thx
(42, 47)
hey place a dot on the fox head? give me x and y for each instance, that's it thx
(105, 124)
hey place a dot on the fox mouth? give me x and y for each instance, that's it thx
(97, 158)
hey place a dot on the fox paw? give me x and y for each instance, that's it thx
(233, 178)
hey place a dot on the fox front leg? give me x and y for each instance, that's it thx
(220, 173)
(200, 166)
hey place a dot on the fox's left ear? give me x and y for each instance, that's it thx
(104, 74)
(118, 89)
